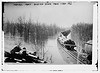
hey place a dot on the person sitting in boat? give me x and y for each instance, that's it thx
(15, 52)
(24, 55)
(28, 56)
(24, 52)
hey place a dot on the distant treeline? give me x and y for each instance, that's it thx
(30, 31)
(81, 33)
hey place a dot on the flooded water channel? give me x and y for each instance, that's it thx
(53, 52)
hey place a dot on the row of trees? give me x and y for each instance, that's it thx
(30, 31)
(81, 33)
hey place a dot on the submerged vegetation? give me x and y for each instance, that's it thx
(30, 31)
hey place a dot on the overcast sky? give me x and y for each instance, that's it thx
(61, 15)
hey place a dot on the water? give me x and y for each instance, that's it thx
(53, 52)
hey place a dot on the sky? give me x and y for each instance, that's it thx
(61, 15)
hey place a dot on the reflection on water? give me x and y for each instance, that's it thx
(46, 49)
(49, 51)
(39, 35)
(54, 52)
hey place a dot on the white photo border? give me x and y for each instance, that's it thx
(38, 67)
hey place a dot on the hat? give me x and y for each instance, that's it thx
(24, 48)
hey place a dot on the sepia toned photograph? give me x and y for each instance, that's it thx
(48, 33)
